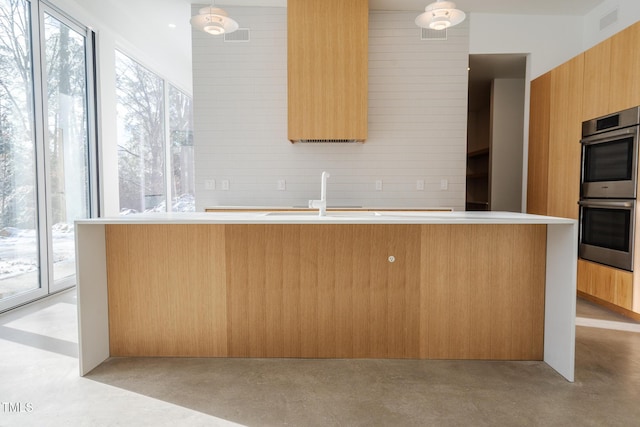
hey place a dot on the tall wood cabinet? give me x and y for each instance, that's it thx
(565, 131)
(553, 185)
(538, 179)
(603, 80)
(327, 69)
(611, 71)
(625, 69)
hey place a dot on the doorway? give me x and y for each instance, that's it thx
(495, 132)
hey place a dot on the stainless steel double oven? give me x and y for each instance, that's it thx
(609, 188)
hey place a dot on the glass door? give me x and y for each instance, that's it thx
(67, 141)
(47, 154)
(20, 239)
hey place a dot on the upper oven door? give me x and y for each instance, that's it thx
(609, 164)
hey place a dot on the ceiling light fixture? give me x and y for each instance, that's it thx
(213, 20)
(440, 15)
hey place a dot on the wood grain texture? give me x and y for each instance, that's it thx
(476, 305)
(597, 81)
(538, 162)
(338, 296)
(606, 283)
(327, 290)
(167, 292)
(327, 69)
(625, 69)
(564, 138)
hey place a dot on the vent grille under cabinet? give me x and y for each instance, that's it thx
(326, 141)
(240, 35)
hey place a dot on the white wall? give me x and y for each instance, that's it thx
(507, 112)
(550, 40)
(417, 119)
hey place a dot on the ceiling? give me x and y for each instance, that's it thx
(524, 7)
(484, 68)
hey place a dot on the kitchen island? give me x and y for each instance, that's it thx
(417, 285)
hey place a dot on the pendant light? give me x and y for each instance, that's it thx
(214, 21)
(440, 15)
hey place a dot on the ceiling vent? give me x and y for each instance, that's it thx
(429, 34)
(609, 19)
(240, 35)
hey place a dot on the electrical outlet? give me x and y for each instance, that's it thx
(225, 184)
(420, 185)
(282, 185)
(444, 184)
(210, 184)
(378, 185)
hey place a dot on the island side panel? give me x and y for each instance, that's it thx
(339, 294)
(167, 290)
(482, 294)
(93, 311)
(560, 313)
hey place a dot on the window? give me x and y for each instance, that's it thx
(150, 113)
(182, 161)
(47, 147)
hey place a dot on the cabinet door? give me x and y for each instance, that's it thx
(625, 69)
(538, 166)
(565, 129)
(597, 81)
(607, 283)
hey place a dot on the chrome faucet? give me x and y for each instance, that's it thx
(322, 203)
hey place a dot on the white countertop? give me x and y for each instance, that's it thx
(341, 217)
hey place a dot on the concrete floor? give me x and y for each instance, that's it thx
(39, 378)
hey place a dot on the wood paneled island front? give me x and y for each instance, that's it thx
(419, 285)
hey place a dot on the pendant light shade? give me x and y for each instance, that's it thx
(440, 15)
(213, 20)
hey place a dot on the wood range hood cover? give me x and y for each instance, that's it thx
(327, 70)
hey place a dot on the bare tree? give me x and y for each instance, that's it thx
(141, 160)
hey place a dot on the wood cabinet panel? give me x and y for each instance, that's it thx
(625, 69)
(606, 283)
(565, 130)
(476, 305)
(342, 296)
(147, 268)
(327, 291)
(327, 69)
(597, 81)
(538, 161)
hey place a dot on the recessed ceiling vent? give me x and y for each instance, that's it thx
(327, 141)
(429, 34)
(240, 35)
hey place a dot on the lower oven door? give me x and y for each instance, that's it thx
(606, 232)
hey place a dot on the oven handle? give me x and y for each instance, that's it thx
(608, 136)
(621, 204)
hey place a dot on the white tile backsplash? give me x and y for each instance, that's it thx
(417, 119)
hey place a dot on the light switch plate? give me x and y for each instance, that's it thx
(225, 184)
(420, 185)
(210, 184)
(378, 185)
(282, 185)
(444, 184)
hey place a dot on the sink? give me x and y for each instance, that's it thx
(292, 213)
(345, 214)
